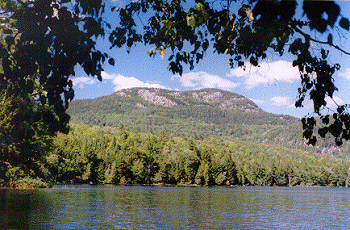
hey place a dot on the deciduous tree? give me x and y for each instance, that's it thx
(41, 43)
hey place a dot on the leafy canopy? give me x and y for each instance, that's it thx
(246, 31)
(41, 42)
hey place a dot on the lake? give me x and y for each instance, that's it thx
(130, 207)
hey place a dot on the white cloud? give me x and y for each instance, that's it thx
(334, 102)
(257, 101)
(123, 3)
(81, 82)
(199, 80)
(119, 81)
(282, 101)
(345, 74)
(122, 82)
(266, 73)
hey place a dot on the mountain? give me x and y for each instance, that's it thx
(205, 111)
(198, 114)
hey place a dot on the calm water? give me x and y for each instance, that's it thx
(105, 207)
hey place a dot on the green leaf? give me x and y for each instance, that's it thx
(330, 39)
(151, 53)
(111, 61)
(162, 53)
(7, 31)
(324, 53)
(312, 141)
(323, 131)
(99, 76)
(203, 11)
(338, 141)
(344, 23)
(250, 15)
(191, 21)
(230, 61)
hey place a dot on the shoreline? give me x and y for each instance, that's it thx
(163, 185)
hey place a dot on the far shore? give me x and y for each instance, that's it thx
(165, 185)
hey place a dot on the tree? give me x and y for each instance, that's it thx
(41, 42)
(247, 32)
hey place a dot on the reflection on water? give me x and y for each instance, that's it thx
(102, 207)
(24, 209)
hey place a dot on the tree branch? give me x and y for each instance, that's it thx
(318, 41)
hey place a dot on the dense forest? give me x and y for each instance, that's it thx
(117, 156)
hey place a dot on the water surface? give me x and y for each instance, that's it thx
(116, 207)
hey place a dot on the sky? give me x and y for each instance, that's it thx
(273, 86)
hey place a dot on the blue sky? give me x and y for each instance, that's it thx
(273, 86)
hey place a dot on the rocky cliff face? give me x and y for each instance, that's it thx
(219, 99)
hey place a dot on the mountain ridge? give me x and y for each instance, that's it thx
(211, 106)
(197, 114)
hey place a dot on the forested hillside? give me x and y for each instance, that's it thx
(198, 114)
(149, 109)
(114, 155)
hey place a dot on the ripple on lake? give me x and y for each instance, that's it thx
(103, 207)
